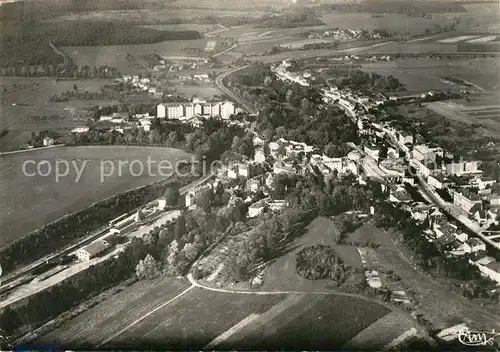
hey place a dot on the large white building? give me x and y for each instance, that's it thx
(464, 168)
(195, 108)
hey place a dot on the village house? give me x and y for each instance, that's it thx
(398, 194)
(257, 209)
(372, 150)
(405, 138)
(253, 185)
(259, 155)
(423, 153)
(232, 172)
(467, 200)
(482, 182)
(473, 245)
(461, 236)
(93, 250)
(464, 168)
(488, 266)
(491, 270)
(281, 166)
(47, 141)
(79, 130)
(270, 181)
(438, 181)
(444, 229)
(276, 204)
(481, 217)
(193, 194)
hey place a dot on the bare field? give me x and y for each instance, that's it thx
(202, 91)
(30, 202)
(235, 5)
(193, 320)
(389, 22)
(32, 99)
(202, 28)
(484, 110)
(311, 322)
(115, 313)
(478, 18)
(422, 75)
(115, 55)
(378, 334)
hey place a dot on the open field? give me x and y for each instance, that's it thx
(312, 322)
(161, 16)
(346, 48)
(480, 17)
(115, 313)
(33, 100)
(30, 202)
(115, 55)
(197, 318)
(484, 110)
(422, 75)
(202, 28)
(203, 91)
(194, 320)
(376, 336)
(390, 22)
(235, 5)
(189, 322)
(477, 18)
(282, 275)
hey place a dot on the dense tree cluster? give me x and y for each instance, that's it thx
(211, 140)
(358, 79)
(321, 262)
(294, 112)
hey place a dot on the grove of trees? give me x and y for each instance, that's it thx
(321, 262)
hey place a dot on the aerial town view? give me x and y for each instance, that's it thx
(250, 175)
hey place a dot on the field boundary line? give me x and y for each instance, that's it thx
(31, 150)
(231, 331)
(401, 339)
(145, 316)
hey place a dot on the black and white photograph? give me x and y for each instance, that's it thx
(250, 175)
